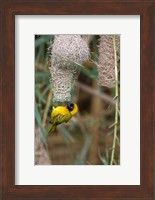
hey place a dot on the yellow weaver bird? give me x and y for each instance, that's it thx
(62, 114)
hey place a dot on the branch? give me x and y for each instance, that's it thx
(116, 105)
(89, 90)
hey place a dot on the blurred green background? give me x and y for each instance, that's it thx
(87, 139)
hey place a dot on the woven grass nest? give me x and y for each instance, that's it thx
(67, 53)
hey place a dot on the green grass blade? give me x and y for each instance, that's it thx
(38, 120)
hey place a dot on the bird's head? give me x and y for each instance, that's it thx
(73, 108)
(70, 106)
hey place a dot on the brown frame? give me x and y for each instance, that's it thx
(8, 10)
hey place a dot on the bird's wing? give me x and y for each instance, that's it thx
(58, 119)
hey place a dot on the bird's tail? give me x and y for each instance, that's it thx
(52, 129)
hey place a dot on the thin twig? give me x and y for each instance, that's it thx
(47, 107)
(116, 104)
(89, 90)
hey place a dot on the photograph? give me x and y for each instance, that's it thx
(77, 106)
(77, 99)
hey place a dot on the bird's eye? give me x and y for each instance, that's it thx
(70, 106)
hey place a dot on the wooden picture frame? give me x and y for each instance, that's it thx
(8, 10)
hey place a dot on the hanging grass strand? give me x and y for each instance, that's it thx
(116, 105)
(47, 106)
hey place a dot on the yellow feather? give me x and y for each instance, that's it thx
(60, 110)
(61, 114)
(75, 110)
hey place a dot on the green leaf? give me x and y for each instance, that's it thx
(38, 120)
(46, 90)
(42, 77)
(42, 39)
(92, 73)
(39, 95)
